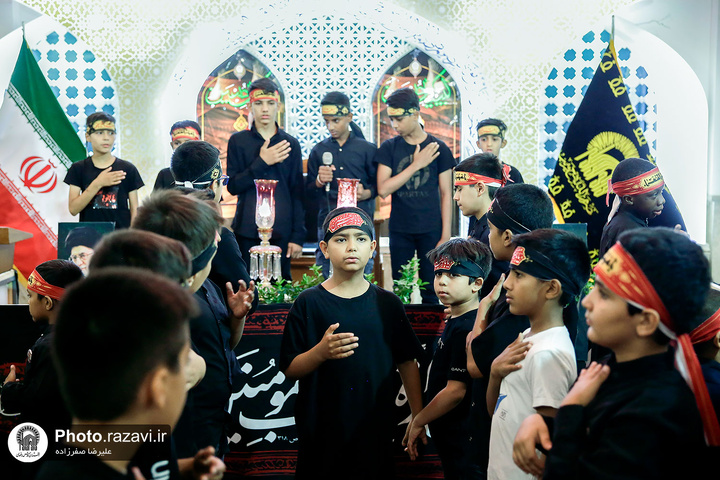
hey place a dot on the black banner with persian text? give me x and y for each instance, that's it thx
(604, 131)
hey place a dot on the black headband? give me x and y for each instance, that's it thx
(203, 258)
(204, 179)
(344, 218)
(460, 267)
(539, 266)
(502, 220)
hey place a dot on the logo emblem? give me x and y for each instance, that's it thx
(38, 174)
(27, 442)
(349, 219)
(519, 256)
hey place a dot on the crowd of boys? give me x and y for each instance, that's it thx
(508, 394)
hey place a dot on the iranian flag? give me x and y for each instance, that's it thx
(37, 146)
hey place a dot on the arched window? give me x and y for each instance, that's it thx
(223, 105)
(439, 98)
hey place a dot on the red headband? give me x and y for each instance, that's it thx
(706, 330)
(619, 272)
(643, 183)
(185, 132)
(260, 94)
(469, 178)
(38, 285)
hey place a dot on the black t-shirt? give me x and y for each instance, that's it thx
(481, 231)
(210, 338)
(37, 397)
(503, 328)
(165, 180)
(228, 266)
(157, 461)
(621, 222)
(642, 423)
(344, 409)
(355, 159)
(450, 363)
(416, 205)
(244, 166)
(111, 204)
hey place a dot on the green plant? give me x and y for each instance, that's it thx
(408, 281)
(589, 285)
(284, 291)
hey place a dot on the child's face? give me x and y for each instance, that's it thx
(349, 250)
(501, 248)
(609, 322)
(647, 205)
(177, 142)
(338, 126)
(102, 141)
(406, 124)
(525, 293)
(453, 289)
(36, 302)
(264, 111)
(491, 144)
(469, 200)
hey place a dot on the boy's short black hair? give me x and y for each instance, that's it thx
(486, 164)
(335, 98)
(193, 158)
(94, 117)
(565, 250)
(496, 122)
(527, 204)
(60, 273)
(82, 236)
(403, 98)
(143, 249)
(630, 168)
(460, 249)
(141, 316)
(185, 218)
(677, 269)
(263, 84)
(185, 124)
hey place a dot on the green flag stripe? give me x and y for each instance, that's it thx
(35, 98)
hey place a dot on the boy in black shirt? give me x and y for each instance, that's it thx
(267, 152)
(491, 139)
(351, 157)
(141, 383)
(416, 168)
(196, 165)
(461, 265)
(346, 397)
(37, 396)
(476, 179)
(638, 185)
(216, 331)
(103, 188)
(644, 413)
(517, 208)
(181, 132)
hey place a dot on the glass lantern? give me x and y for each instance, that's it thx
(265, 258)
(347, 192)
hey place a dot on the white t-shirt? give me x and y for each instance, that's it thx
(548, 370)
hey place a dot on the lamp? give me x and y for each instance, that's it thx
(265, 258)
(347, 192)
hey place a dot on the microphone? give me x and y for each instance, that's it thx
(327, 159)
